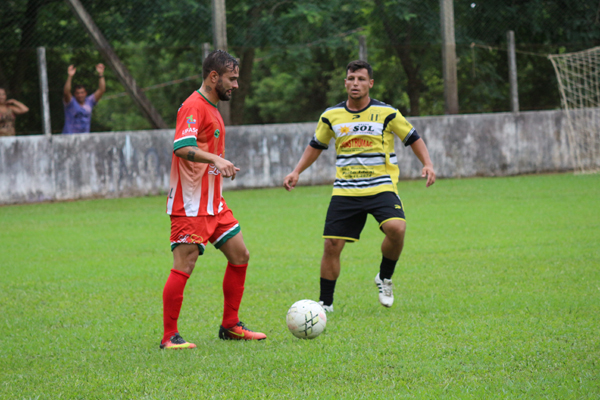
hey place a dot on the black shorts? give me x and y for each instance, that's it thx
(347, 215)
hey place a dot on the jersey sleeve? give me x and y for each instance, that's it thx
(91, 100)
(323, 134)
(70, 104)
(186, 129)
(400, 127)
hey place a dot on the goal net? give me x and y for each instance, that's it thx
(579, 83)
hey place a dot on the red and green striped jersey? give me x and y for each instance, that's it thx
(196, 188)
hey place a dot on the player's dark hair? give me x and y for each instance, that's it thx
(220, 61)
(77, 87)
(360, 64)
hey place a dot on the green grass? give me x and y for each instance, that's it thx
(497, 296)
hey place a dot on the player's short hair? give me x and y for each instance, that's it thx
(360, 64)
(77, 87)
(220, 61)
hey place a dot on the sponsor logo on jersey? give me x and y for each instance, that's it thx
(356, 116)
(363, 128)
(344, 130)
(212, 170)
(217, 133)
(190, 121)
(397, 206)
(356, 143)
(189, 130)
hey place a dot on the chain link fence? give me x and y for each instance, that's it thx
(293, 54)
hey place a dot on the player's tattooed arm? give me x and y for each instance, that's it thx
(194, 154)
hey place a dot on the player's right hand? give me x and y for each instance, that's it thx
(71, 70)
(290, 181)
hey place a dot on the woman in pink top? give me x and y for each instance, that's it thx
(8, 110)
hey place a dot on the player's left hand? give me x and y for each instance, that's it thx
(429, 173)
(100, 69)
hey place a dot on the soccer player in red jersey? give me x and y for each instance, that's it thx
(197, 208)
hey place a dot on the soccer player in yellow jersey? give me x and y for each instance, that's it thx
(366, 177)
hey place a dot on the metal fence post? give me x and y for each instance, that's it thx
(43, 75)
(220, 43)
(362, 48)
(205, 50)
(449, 56)
(512, 71)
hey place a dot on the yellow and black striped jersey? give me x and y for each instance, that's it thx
(364, 141)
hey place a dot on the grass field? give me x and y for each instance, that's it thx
(497, 296)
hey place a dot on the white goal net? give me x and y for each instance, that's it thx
(579, 83)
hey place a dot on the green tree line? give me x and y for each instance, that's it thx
(292, 54)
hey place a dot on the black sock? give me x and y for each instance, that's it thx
(386, 270)
(327, 289)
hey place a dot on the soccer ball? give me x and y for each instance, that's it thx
(306, 319)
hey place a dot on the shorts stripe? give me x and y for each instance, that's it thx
(221, 240)
(348, 239)
(201, 246)
(389, 219)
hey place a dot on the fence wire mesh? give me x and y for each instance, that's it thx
(293, 54)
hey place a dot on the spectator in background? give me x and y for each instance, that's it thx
(78, 106)
(9, 109)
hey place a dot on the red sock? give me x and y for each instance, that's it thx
(172, 299)
(233, 290)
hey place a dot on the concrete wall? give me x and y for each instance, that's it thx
(119, 164)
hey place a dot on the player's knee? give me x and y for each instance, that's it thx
(395, 230)
(400, 231)
(333, 246)
(241, 257)
(245, 256)
(396, 236)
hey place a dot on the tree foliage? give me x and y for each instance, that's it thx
(293, 53)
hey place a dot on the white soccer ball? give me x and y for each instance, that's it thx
(306, 319)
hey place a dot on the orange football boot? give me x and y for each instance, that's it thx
(177, 342)
(240, 332)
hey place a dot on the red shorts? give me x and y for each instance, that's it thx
(217, 229)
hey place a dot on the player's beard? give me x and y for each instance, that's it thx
(221, 92)
(357, 96)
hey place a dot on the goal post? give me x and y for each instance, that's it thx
(578, 77)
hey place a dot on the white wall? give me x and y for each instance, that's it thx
(120, 164)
